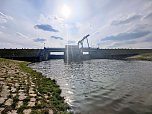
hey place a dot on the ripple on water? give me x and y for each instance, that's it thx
(103, 86)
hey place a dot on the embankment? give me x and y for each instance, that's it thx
(146, 57)
(25, 91)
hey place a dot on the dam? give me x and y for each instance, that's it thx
(71, 52)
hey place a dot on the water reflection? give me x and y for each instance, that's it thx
(103, 86)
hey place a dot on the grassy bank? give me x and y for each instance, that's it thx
(146, 57)
(28, 91)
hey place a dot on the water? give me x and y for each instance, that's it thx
(103, 86)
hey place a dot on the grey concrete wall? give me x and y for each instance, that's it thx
(116, 53)
(43, 54)
(72, 53)
(21, 54)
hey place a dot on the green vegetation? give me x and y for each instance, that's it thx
(36, 112)
(26, 100)
(146, 56)
(15, 100)
(48, 87)
(46, 90)
(20, 110)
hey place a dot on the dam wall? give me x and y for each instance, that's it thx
(116, 53)
(70, 53)
(22, 54)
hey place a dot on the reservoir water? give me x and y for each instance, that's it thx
(103, 86)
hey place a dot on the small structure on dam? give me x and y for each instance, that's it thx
(72, 53)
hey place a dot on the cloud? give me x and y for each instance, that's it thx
(1, 32)
(21, 35)
(149, 16)
(4, 18)
(126, 36)
(2, 27)
(121, 44)
(140, 27)
(45, 27)
(148, 39)
(127, 20)
(71, 42)
(39, 40)
(95, 18)
(56, 37)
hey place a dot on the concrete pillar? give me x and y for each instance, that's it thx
(72, 54)
(44, 55)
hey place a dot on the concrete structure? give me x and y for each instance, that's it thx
(74, 53)
(31, 54)
(71, 52)
(22, 54)
(115, 53)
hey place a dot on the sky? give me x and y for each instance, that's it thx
(56, 23)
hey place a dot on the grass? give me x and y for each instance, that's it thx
(44, 111)
(26, 100)
(44, 87)
(21, 109)
(24, 106)
(47, 86)
(35, 112)
(15, 100)
(145, 56)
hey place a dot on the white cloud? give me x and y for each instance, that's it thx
(92, 17)
(2, 27)
(21, 35)
(4, 18)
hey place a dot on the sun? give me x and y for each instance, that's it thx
(65, 11)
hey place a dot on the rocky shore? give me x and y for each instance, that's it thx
(24, 91)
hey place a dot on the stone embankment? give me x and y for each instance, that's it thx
(24, 91)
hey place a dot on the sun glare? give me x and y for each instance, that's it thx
(65, 11)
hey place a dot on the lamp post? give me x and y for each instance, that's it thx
(44, 45)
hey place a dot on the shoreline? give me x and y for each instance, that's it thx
(143, 57)
(25, 91)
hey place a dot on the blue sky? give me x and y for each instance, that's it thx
(110, 23)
